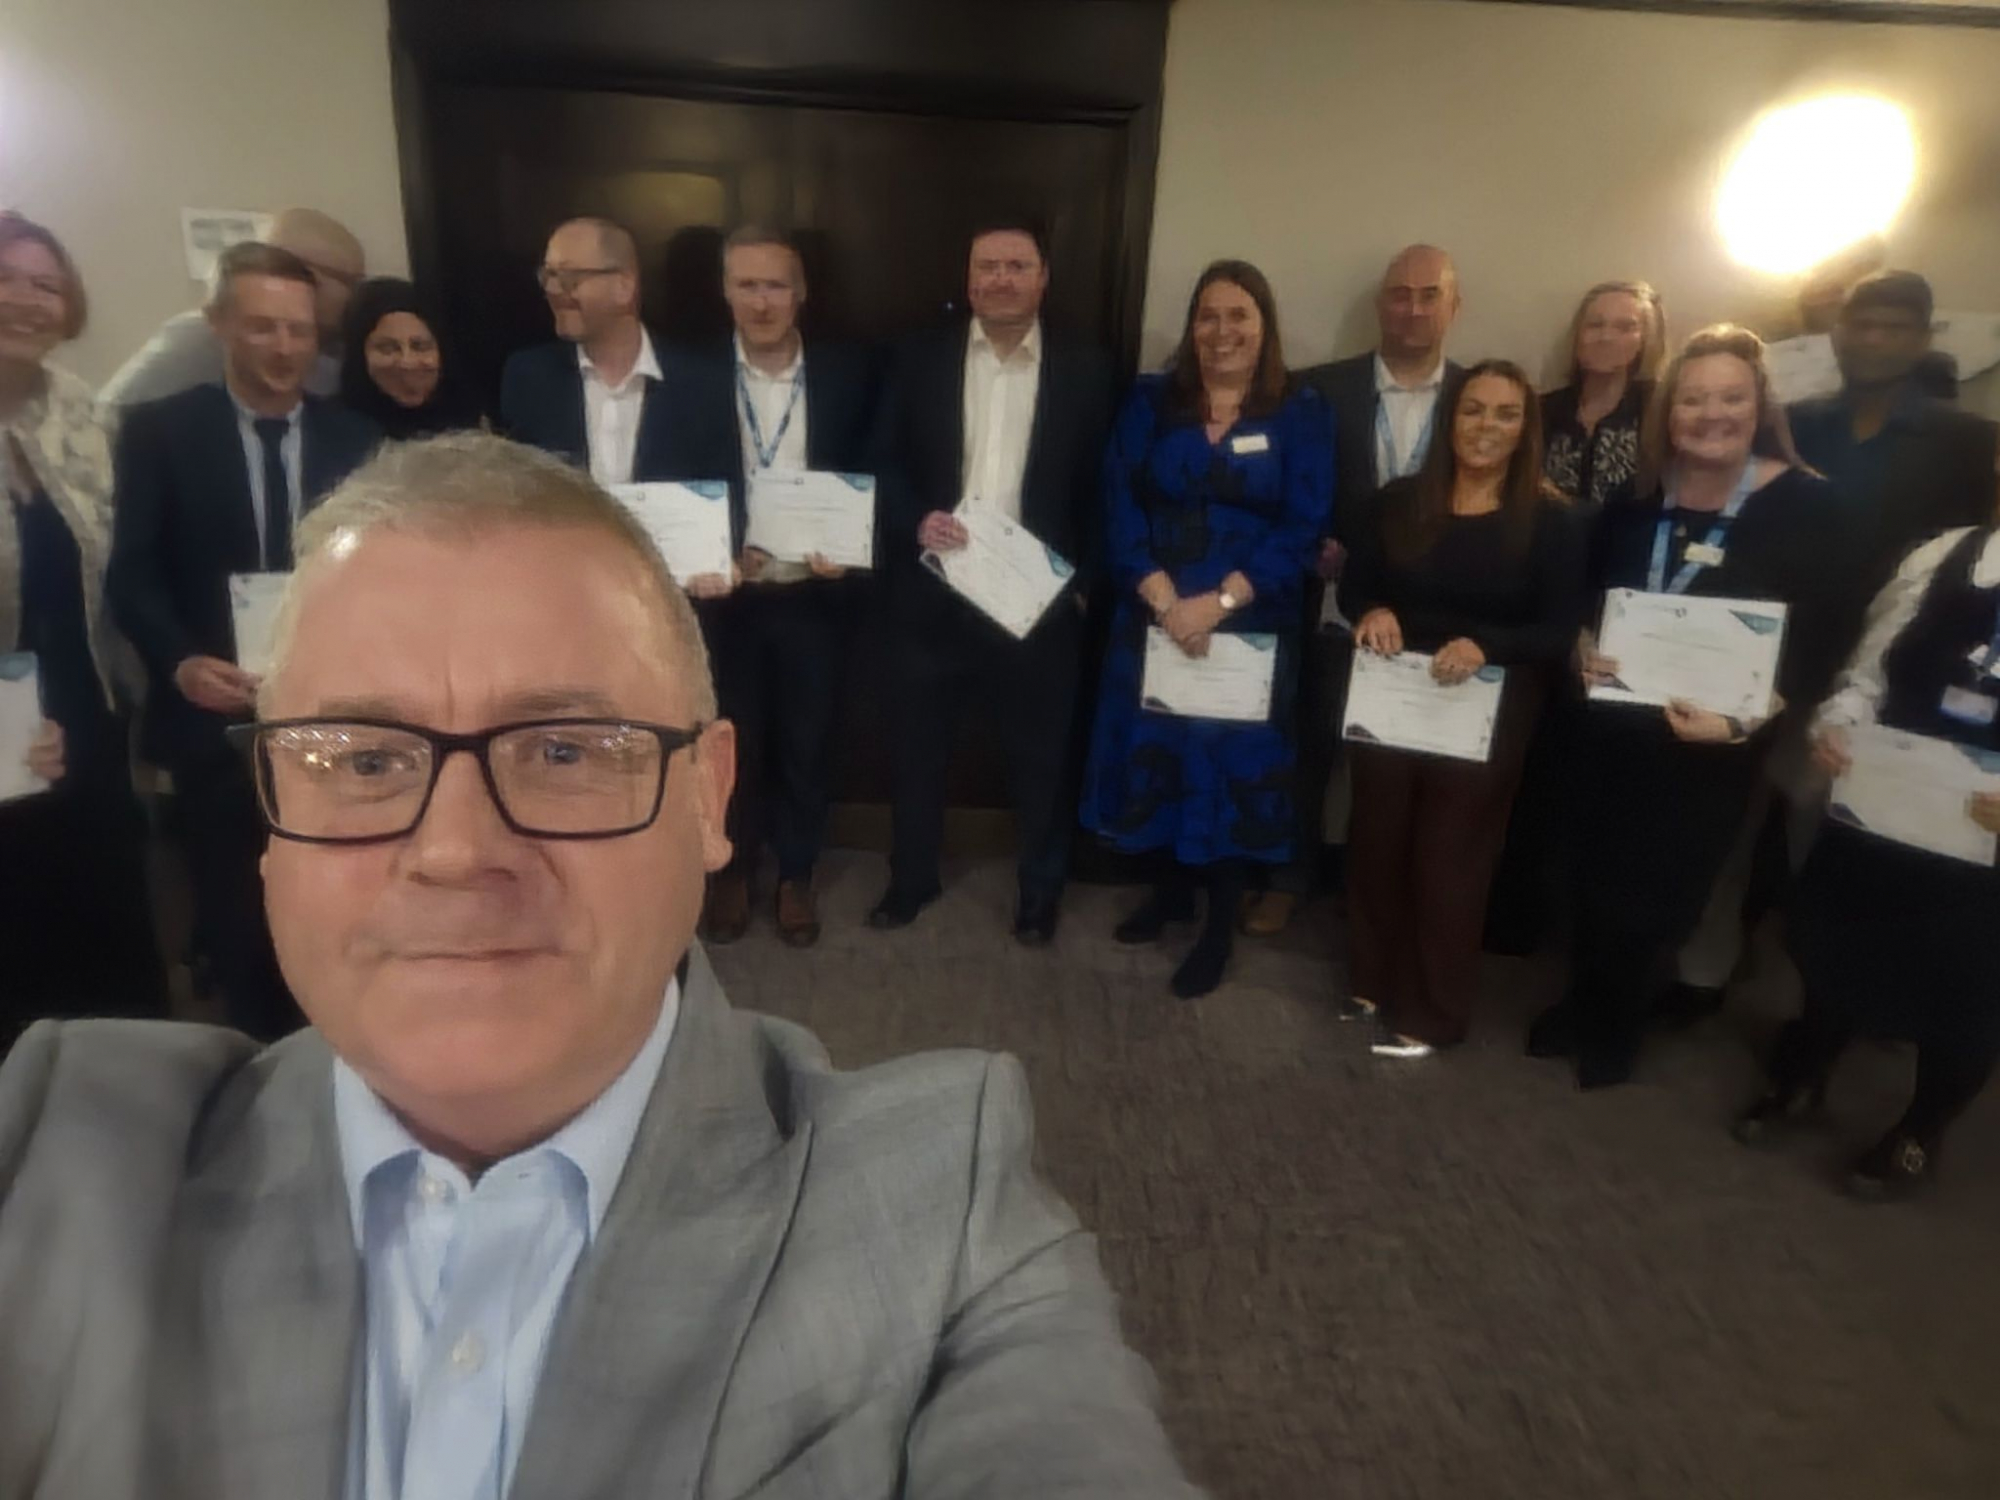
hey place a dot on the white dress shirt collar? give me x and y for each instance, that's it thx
(596, 1143)
(646, 366)
(1384, 381)
(1029, 350)
(782, 377)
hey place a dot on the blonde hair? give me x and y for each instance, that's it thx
(1652, 349)
(461, 483)
(1773, 438)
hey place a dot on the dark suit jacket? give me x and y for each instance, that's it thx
(1929, 470)
(183, 524)
(541, 403)
(921, 454)
(1349, 388)
(840, 403)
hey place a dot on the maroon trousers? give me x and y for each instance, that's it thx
(1423, 840)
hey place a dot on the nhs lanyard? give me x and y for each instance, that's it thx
(1385, 434)
(1656, 580)
(765, 455)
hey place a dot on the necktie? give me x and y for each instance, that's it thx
(277, 495)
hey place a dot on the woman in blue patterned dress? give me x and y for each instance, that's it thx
(1218, 484)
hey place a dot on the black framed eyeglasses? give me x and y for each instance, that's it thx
(368, 781)
(568, 278)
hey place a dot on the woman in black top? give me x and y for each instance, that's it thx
(1891, 940)
(1617, 340)
(1661, 794)
(394, 371)
(1475, 563)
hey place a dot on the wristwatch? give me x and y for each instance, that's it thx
(1229, 602)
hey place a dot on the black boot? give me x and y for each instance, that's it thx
(1201, 970)
(1894, 1167)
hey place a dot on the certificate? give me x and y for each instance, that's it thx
(1394, 701)
(1718, 654)
(795, 513)
(1005, 570)
(20, 723)
(253, 610)
(1233, 682)
(688, 522)
(1915, 790)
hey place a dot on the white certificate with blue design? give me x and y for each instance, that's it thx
(1394, 702)
(253, 617)
(1917, 791)
(1004, 570)
(796, 514)
(20, 722)
(1718, 654)
(1231, 683)
(688, 522)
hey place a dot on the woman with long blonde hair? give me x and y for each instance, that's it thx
(1590, 425)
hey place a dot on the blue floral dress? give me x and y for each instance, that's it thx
(1256, 502)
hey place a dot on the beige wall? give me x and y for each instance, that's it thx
(1548, 147)
(116, 114)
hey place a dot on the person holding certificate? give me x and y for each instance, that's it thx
(75, 925)
(779, 645)
(1474, 562)
(1217, 487)
(1721, 509)
(1891, 938)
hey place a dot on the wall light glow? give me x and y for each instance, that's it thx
(1813, 178)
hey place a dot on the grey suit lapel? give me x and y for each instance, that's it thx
(261, 1300)
(650, 1330)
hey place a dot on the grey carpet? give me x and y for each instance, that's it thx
(1458, 1277)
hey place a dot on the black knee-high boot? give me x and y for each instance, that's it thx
(1201, 970)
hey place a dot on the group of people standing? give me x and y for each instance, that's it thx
(1390, 503)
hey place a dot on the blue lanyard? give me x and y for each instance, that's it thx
(766, 454)
(1656, 580)
(1385, 434)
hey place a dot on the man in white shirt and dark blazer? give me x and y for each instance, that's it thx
(995, 411)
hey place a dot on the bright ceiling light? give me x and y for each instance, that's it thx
(1813, 178)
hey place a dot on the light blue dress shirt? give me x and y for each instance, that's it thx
(462, 1282)
(290, 448)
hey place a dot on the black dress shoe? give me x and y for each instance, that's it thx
(1201, 971)
(1035, 924)
(1153, 914)
(899, 908)
(1557, 1032)
(1778, 1109)
(1605, 1063)
(1894, 1167)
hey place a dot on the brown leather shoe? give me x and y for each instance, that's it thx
(798, 913)
(1265, 913)
(725, 915)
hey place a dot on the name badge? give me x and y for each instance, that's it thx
(1251, 442)
(1968, 707)
(1702, 555)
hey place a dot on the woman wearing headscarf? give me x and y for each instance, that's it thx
(394, 371)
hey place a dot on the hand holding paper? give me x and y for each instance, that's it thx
(796, 514)
(24, 742)
(1400, 702)
(1232, 681)
(1003, 569)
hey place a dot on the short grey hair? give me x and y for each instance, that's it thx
(463, 482)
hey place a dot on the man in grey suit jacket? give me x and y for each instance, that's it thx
(506, 1220)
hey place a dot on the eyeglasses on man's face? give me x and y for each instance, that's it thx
(368, 781)
(566, 279)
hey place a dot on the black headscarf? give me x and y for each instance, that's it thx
(447, 408)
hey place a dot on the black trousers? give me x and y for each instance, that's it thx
(222, 837)
(1326, 658)
(76, 926)
(1029, 692)
(780, 650)
(1656, 820)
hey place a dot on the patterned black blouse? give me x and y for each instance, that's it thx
(1588, 467)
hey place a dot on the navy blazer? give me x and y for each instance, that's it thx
(183, 523)
(842, 385)
(921, 452)
(541, 403)
(1349, 388)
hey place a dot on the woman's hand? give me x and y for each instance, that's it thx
(1380, 631)
(821, 568)
(1830, 752)
(752, 563)
(711, 585)
(1985, 810)
(1457, 661)
(1188, 620)
(1697, 726)
(1596, 669)
(45, 752)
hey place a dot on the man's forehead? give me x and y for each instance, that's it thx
(1005, 244)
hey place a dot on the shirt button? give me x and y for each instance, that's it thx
(433, 1189)
(468, 1354)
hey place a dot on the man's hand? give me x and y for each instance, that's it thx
(1830, 752)
(219, 686)
(711, 585)
(1457, 661)
(1380, 631)
(45, 752)
(1697, 726)
(752, 563)
(1985, 810)
(941, 531)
